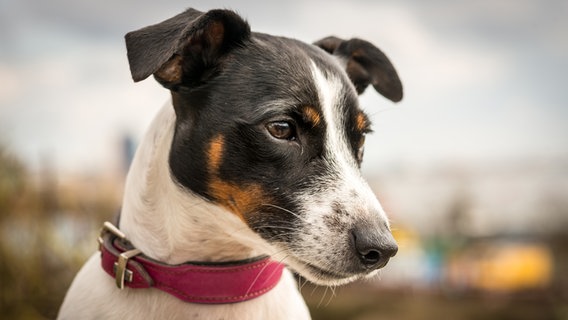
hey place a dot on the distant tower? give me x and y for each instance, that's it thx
(128, 148)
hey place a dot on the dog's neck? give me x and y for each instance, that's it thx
(171, 224)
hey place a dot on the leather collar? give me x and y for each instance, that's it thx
(206, 283)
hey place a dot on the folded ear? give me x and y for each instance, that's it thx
(365, 64)
(181, 49)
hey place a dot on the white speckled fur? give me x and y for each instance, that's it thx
(348, 181)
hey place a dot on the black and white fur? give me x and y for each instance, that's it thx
(257, 153)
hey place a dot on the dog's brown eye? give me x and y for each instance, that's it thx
(282, 130)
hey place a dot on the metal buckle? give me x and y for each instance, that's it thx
(109, 227)
(120, 271)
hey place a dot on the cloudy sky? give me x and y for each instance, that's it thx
(484, 80)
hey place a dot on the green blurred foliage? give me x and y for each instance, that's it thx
(12, 181)
(46, 233)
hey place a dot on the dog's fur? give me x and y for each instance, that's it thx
(258, 153)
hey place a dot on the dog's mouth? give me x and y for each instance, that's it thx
(320, 275)
(332, 265)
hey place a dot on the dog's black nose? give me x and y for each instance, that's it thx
(373, 247)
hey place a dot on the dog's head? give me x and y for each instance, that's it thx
(270, 129)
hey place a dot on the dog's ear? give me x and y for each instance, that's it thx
(365, 64)
(181, 49)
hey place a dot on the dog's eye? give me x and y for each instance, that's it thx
(283, 130)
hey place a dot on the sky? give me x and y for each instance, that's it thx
(483, 80)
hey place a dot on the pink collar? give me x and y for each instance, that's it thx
(191, 282)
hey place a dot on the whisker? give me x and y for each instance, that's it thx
(385, 109)
(300, 285)
(275, 227)
(237, 230)
(256, 278)
(261, 271)
(285, 257)
(313, 290)
(331, 297)
(324, 294)
(274, 255)
(283, 209)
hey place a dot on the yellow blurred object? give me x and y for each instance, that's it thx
(505, 267)
(514, 267)
(405, 238)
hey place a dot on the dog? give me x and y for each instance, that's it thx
(250, 171)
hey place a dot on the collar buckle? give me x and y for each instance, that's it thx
(121, 272)
(109, 228)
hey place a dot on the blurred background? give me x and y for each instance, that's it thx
(472, 165)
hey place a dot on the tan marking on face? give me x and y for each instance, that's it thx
(361, 122)
(241, 200)
(311, 115)
(215, 154)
